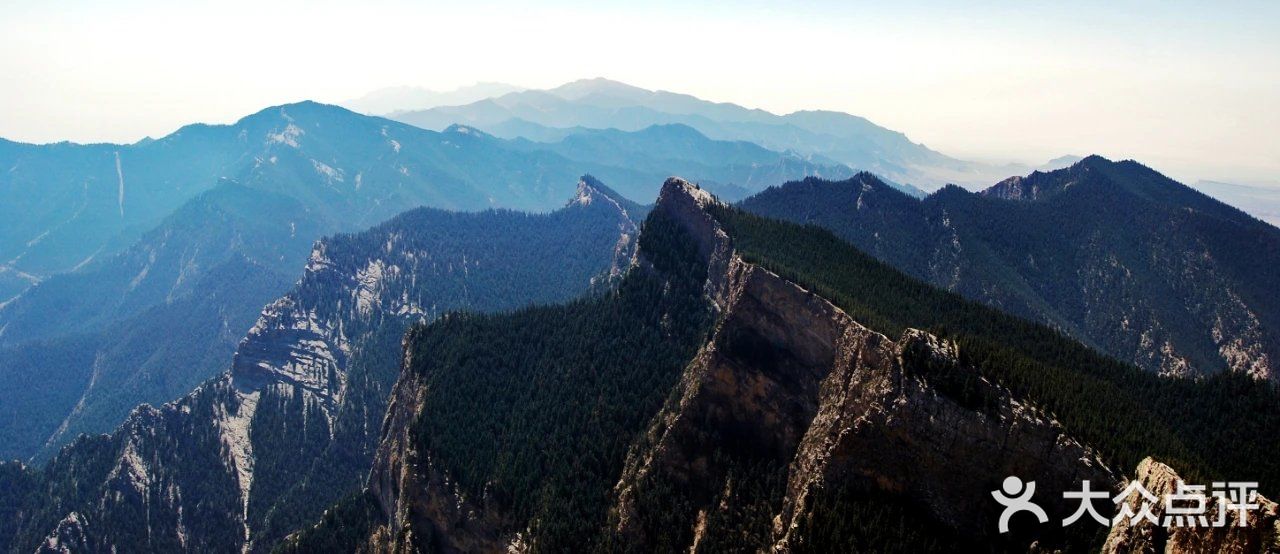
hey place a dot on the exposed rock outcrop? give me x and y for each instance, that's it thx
(687, 204)
(800, 381)
(1261, 532)
(890, 420)
(69, 536)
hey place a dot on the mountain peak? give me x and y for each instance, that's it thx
(1105, 180)
(676, 189)
(1010, 189)
(867, 177)
(589, 188)
(1062, 161)
(1093, 160)
(1040, 185)
(593, 192)
(305, 109)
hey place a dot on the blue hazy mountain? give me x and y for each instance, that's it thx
(340, 171)
(150, 323)
(302, 170)
(731, 169)
(270, 185)
(387, 100)
(65, 205)
(605, 104)
(1260, 202)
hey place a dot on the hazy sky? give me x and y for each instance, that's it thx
(1190, 88)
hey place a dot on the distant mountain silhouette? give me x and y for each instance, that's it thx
(386, 100)
(547, 115)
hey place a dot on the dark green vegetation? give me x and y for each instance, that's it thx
(17, 484)
(754, 483)
(344, 529)
(852, 521)
(533, 411)
(1224, 426)
(1113, 254)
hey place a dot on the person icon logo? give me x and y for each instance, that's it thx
(1014, 502)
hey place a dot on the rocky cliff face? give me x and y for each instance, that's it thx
(423, 506)
(1261, 532)
(789, 383)
(251, 455)
(799, 380)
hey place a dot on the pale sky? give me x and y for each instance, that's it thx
(1192, 89)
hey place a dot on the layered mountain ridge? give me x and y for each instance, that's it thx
(733, 383)
(260, 192)
(250, 455)
(550, 115)
(1111, 253)
(468, 378)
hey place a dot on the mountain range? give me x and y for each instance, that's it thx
(543, 115)
(315, 330)
(552, 114)
(288, 176)
(250, 455)
(723, 372)
(69, 205)
(1112, 253)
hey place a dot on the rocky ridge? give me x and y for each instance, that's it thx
(840, 403)
(788, 378)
